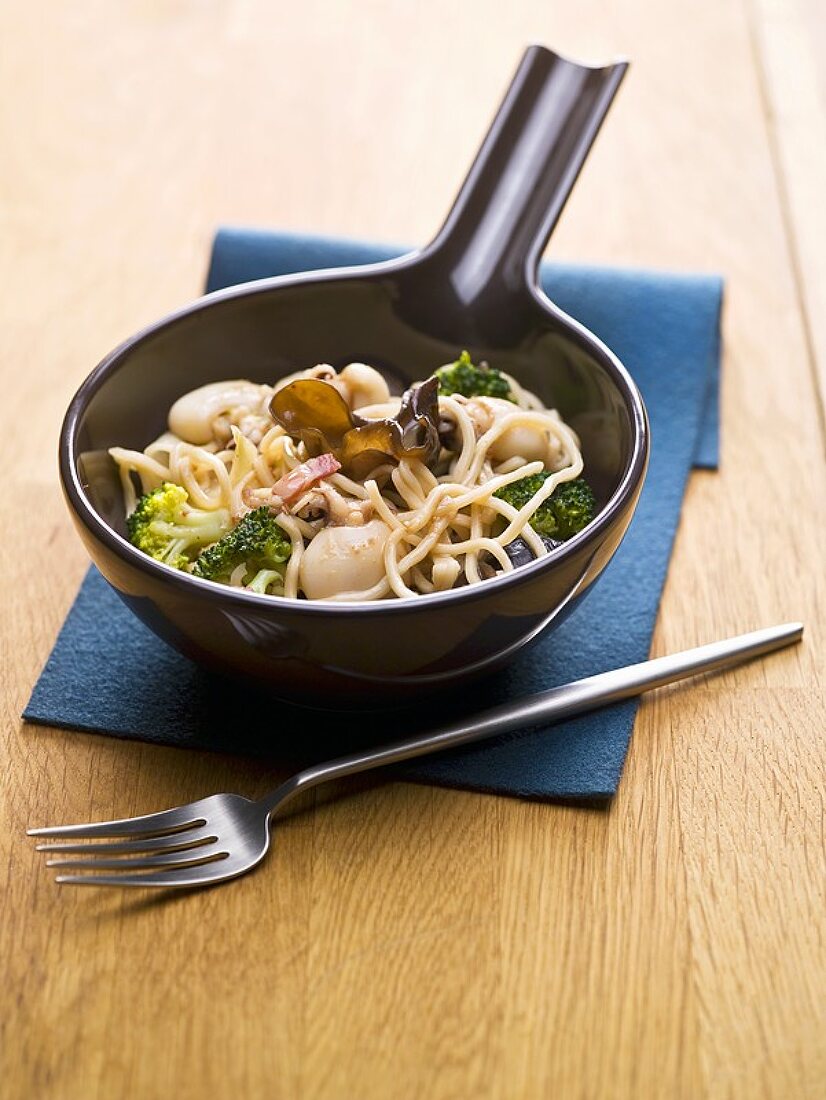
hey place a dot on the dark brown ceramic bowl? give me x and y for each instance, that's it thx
(474, 287)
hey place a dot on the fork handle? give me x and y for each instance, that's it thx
(560, 702)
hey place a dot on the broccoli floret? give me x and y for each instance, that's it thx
(466, 378)
(256, 542)
(567, 510)
(165, 526)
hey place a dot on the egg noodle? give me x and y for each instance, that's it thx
(407, 529)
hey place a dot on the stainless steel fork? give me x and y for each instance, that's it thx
(220, 837)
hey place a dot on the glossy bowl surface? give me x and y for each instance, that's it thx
(322, 653)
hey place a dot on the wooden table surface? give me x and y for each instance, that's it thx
(408, 941)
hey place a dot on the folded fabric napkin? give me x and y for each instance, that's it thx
(666, 329)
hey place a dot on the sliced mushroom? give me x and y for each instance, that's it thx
(192, 415)
(361, 385)
(316, 413)
(343, 559)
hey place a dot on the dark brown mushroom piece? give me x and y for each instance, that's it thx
(314, 412)
(521, 554)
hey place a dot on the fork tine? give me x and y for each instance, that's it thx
(203, 875)
(204, 853)
(186, 839)
(178, 818)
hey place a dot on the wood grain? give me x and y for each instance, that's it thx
(790, 39)
(406, 941)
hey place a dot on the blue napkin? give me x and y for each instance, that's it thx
(665, 327)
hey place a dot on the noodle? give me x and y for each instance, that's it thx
(410, 527)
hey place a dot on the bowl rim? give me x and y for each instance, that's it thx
(630, 483)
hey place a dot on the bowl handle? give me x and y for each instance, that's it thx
(488, 250)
